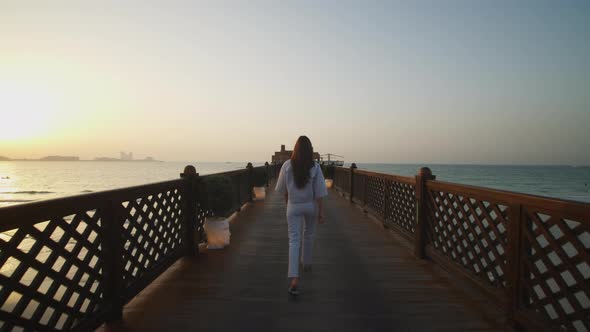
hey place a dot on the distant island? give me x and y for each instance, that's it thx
(124, 157)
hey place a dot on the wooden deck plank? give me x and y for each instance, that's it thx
(364, 279)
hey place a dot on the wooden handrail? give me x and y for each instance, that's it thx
(113, 242)
(397, 178)
(19, 215)
(572, 208)
(511, 245)
(500, 240)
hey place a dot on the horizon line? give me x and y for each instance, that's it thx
(346, 163)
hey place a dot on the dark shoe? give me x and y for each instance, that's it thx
(306, 268)
(293, 291)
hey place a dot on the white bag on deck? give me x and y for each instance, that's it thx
(217, 233)
(329, 183)
(259, 193)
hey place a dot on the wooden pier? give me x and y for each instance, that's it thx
(363, 279)
(397, 254)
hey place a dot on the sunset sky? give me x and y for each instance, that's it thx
(404, 82)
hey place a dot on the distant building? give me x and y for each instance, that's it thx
(60, 158)
(284, 155)
(124, 157)
(127, 156)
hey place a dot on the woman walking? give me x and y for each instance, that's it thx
(302, 182)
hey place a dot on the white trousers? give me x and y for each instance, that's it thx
(301, 218)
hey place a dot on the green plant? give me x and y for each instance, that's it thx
(328, 171)
(259, 177)
(218, 194)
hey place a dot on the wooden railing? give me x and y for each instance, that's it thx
(530, 254)
(72, 263)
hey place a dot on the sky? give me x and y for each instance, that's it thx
(484, 82)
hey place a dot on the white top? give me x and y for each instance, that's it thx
(314, 189)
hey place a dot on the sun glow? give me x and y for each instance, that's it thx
(26, 110)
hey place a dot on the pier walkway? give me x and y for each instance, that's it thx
(365, 278)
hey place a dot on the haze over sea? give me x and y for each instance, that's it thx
(25, 181)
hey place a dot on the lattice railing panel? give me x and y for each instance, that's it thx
(245, 188)
(236, 192)
(273, 171)
(401, 205)
(202, 214)
(342, 179)
(240, 189)
(92, 253)
(375, 194)
(471, 232)
(51, 274)
(556, 257)
(358, 187)
(277, 170)
(152, 232)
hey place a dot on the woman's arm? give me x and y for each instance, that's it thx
(281, 186)
(320, 203)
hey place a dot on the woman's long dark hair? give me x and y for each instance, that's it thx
(302, 161)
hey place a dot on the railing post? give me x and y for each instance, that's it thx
(189, 208)
(365, 184)
(112, 251)
(267, 174)
(250, 181)
(352, 168)
(275, 170)
(424, 174)
(386, 198)
(514, 263)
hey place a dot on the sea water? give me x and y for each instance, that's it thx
(25, 181)
(565, 182)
